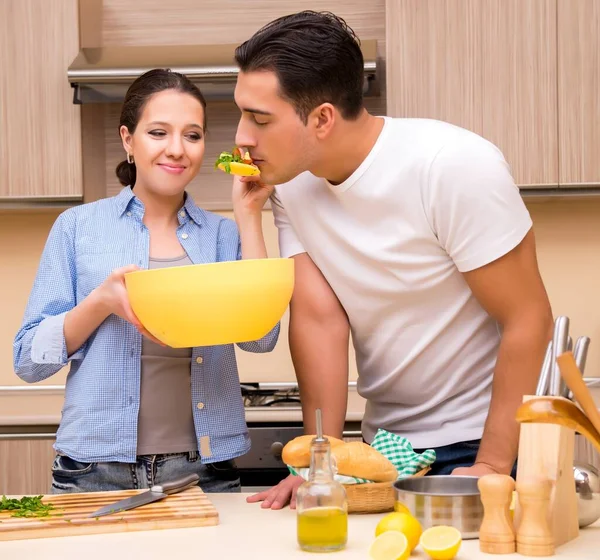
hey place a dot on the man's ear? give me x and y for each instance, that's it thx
(126, 139)
(322, 119)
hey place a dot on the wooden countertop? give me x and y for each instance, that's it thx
(247, 532)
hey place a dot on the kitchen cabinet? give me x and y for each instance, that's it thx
(25, 465)
(434, 65)
(579, 92)
(40, 150)
(519, 99)
(486, 65)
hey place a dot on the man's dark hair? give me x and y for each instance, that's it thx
(316, 57)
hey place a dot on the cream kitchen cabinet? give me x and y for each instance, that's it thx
(487, 65)
(25, 464)
(40, 131)
(519, 98)
(579, 92)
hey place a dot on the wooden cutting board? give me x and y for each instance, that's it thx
(190, 508)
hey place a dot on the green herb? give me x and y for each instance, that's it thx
(235, 156)
(28, 506)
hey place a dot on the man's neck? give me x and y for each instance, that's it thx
(349, 147)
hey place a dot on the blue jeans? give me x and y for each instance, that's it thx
(70, 476)
(461, 454)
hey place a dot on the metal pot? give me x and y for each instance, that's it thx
(587, 484)
(443, 500)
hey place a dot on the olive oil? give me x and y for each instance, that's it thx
(321, 502)
(322, 528)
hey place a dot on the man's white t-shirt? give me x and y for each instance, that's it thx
(430, 201)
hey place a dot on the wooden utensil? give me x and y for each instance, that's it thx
(574, 380)
(497, 534)
(559, 411)
(70, 515)
(534, 536)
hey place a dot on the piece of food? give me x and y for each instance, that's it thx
(391, 545)
(404, 523)
(296, 452)
(441, 542)
(28, 506)
(237, 163)
(360, 460)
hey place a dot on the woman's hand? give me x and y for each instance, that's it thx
(112, 295)
(249, 195)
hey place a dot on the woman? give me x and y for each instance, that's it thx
(137, 413)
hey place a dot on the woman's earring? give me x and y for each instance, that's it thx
(129, 158)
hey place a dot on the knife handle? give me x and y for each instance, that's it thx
(179, 485)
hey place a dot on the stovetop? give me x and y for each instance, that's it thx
(270, 395)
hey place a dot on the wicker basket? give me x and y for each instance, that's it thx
(373, 497)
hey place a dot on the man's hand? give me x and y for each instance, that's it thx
(249, 195)
(279, 496)
(478, 469)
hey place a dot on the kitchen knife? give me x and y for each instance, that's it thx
(580, 354)
(542, 387)
(155, 493)
(559, 346)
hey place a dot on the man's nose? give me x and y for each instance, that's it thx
(243, 138)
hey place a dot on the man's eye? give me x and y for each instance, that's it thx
(259, 123)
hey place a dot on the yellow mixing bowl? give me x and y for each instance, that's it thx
(210, 304)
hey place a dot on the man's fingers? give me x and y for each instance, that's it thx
(293, 499)
(258, 497)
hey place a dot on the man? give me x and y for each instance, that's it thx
(409, 233)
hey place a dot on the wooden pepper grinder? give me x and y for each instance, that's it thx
(497, 534)
(534, 535)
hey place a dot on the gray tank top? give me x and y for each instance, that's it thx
(165, 420)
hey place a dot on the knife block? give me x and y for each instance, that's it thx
(546, 451)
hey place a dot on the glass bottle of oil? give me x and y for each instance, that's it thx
(321, 503)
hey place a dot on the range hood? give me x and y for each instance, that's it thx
(102, 75)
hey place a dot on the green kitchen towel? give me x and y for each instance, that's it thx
(396, 449)
(399, 452)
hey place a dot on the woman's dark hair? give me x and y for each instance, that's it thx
(316, 57)
(138, 94)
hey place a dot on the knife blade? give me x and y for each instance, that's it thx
(154, 494)
(543, 382)
(559, 346)
(580, 354)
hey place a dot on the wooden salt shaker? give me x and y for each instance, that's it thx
(496, 534)
(534, 536)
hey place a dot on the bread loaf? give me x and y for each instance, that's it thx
(296, 452)
(362, 461)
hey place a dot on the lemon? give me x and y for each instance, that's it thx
(401, 508)
(441, 542)
(402, 522)
(391, 545)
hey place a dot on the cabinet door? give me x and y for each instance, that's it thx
(25, 466)
(579, 92)
(486, 65)
(433, 60)
(519, 87)
(40, 138)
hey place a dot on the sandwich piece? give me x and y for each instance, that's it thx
(362, 461)
(236, 163)
(296, 452)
